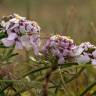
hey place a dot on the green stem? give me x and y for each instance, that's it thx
(47, 79)
(63, 83)
(77, 88)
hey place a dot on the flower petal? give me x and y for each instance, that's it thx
(78, 51)
(94, 54)
(35, 47)
(94, 62)
(25, 42)
(7, 42)
(61, 60)
(12, 36)
(18, 45)
(82, 59)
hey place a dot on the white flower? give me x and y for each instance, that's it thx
(93, 62)
(56, 52)
(15, 20)
(82, 59)
(35, 38)
(34, 46)
(12, 36)
(53, 44)
(3, 23)
(25, 42)
(61, 60)
(66, 52)
(87, 45)
(45, 47)
(94, 54)
(59, 46)
(18, 45)
(22, 29)
(7, 42)
(18, 17)
(6, 26)
(78, 51)
(14, 28)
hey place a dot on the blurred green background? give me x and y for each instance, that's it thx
(75, 18)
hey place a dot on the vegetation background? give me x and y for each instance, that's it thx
(74, 18)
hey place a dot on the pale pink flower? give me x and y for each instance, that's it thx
(34, 45)
(19, 26)
(77, 51)
(26, 42)
(94, 62)
(94, 54)
(7, 42)
(45, 47)
(61, 60)
(87, 45)
(83, 59)
(19, 45)
(12, 36)
(60, 47)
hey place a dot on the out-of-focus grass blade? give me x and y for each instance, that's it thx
(39, 62)
(2, 35)
(94, 93)
(76, 75)
(36, 70)
(9, 54)
(67, 65)
(2, 94)
(8, 81)
(27, 86)
(2, 46)
(43, 68)
(11, 50)
(12, 55)
(88, 88)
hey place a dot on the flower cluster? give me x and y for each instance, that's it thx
(26, 34)
(59, 46)
(64, 49)
(21, 32)
(85, 53)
